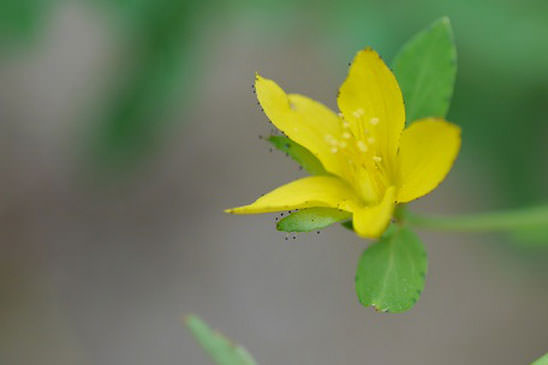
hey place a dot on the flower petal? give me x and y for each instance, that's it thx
(371, 221)
(308, 192)
(303, 120)
(428, 149)
(371, 101)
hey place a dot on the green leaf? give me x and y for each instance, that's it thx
(221, 350)
(542, 361)
(300, 154)
(311, 219)
(426, 68)
(391, 272)
(348, 225)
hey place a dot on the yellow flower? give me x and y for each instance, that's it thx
(373, 163)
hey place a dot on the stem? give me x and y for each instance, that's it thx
(535, 217)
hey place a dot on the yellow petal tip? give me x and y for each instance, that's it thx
(368, 50)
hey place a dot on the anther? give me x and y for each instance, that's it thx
(374, 121)
(358, 112)
(362, 146)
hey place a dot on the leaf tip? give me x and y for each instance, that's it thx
(192, 321)
(445, 20)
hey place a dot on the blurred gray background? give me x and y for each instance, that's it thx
(100, 259)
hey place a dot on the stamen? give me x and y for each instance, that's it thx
(346, 135)
(362, 146)
(377, 158)
(358, 112)
(370, 140)
(374, 121)
(334, 149)
(330, 139)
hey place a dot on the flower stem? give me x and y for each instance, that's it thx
(510, 220)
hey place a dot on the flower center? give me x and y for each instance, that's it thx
(357, 148)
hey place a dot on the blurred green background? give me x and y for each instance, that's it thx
(126, 126)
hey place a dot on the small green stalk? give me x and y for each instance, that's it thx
(511, 220)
